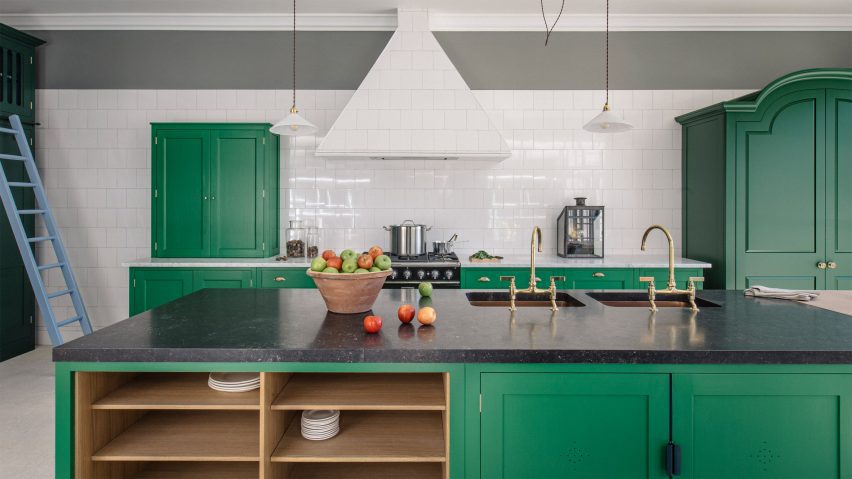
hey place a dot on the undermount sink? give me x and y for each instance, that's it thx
(640, 300)
(522, 300)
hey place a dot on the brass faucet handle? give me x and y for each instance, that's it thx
(554, 279)
(646, 279)
(696, 279)
(507, 278)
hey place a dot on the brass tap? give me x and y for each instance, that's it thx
(513, 291)
(672, 286)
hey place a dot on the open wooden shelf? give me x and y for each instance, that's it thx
(370, 436)
(196, 470)
(187, 436)
(363, 391)
(410, 470)
(176, 391)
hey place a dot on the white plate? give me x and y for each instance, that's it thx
(319, 414)
(234, 390)
(235, 377)
(320, 437)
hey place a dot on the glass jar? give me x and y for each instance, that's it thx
(295, 245)
(312, 242)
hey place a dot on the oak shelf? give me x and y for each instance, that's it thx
(195, 470)
(187, 436)
(370, 436)
(176, 391)
(363, 391)
(411, 470)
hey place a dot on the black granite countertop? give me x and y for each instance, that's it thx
(269, 325)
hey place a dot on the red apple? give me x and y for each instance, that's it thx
(334, 262)
(365, 261)
(375, 251)
(328, 254)
(405, 313)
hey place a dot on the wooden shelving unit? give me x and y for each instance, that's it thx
(172, 426)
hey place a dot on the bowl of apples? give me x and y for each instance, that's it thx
(351, 282)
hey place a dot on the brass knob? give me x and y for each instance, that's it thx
(537, 279)
(832, 265)
(484, 279)
(821, 265)
(280, 279)
(598, 274)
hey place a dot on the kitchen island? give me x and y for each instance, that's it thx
(586, 391)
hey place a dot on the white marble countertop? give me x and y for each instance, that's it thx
(509, 261)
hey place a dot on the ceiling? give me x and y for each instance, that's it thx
(650, 7)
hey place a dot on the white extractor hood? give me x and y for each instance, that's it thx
(413, 104)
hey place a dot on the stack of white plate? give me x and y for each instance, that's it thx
(320, 424)
(234, 382)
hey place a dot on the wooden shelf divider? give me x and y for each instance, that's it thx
(363, 391)
(370, 436)
(176, 391)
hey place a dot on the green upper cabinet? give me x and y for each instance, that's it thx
(215, 190)
(17, 73)
(767, 184)
(563, 425)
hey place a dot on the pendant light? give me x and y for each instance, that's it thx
(607, 121)
(294, 124)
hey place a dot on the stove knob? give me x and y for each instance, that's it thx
(421, 274)
(406, 274)
(435, 274)
(394, 274)
(448, 274)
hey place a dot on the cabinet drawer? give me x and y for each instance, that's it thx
(489, 278)
(603, 278)
(285, 278)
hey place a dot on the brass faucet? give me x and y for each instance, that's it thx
(513, 290)
(672, 286)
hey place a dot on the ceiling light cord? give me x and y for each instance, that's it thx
(294, 56)
(606, 68)
(549, 29)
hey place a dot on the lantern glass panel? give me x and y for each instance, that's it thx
(580, 231)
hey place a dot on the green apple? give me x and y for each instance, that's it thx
(330, 270)
(425, 289)
(375, 269)
(318, 264)
(348, 254)
(349, 265)
(361, 271)
(383, 262)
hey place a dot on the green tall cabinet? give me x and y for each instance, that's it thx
(17, 97)
(215, 190)
(767, 184)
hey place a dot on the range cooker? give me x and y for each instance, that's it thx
(443, 271)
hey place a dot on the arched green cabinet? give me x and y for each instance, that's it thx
(767, 184)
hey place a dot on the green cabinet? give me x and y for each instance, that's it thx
(215, 190)
(573, 425)
(152, 287)
(17, 73)
(489, 277)
(604, 278)
(285, 278)
(222, 278)
(767, 184)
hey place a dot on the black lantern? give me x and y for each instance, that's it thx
(580, 231)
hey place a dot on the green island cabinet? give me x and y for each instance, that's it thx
(460, 421)
(214, 190)
(17, 97)
(767, 184)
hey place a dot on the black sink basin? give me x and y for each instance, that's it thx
(640, 300)
(522, 300)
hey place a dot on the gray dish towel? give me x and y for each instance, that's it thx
(778, 293)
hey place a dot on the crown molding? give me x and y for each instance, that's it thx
(438, 21)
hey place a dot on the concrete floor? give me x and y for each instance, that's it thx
(26, 416)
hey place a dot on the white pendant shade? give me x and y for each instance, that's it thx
(607, 122)
(293, 125)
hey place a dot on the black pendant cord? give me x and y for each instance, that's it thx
(549, 29)
(606, 68)
(294, 55)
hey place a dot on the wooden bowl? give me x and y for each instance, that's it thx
(349, 293)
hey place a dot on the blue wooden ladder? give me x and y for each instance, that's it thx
(26, 244)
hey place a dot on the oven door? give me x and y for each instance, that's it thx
(413, 284)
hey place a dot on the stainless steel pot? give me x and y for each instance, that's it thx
(408, 238)
(444, 248)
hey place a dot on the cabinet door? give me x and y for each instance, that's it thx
(609, 278)
(223, 278)
(17, 313)
(770, 426)
(574, 425)
(285, 278)
(17, 79)
(157, 286)
(180, 176)
(839, 188)
(236, 194)
(781, 193)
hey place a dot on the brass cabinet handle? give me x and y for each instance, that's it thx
(484, 279)
(821, 265)
(832, 265)
(537, 279)
(280, 279)
(557, 278)
(598, 274)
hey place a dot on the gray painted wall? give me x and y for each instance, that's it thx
(486, 60)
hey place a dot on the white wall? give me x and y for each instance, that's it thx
(94, 152)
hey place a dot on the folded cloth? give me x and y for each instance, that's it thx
(778, 293)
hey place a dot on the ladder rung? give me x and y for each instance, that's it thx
(8, 130)
(21, 184)
(60, 293)
(68, 321)
(31, 212)
(4, 156)
(50, 266)
(39, 239)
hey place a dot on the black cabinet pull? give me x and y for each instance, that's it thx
(673, 461)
